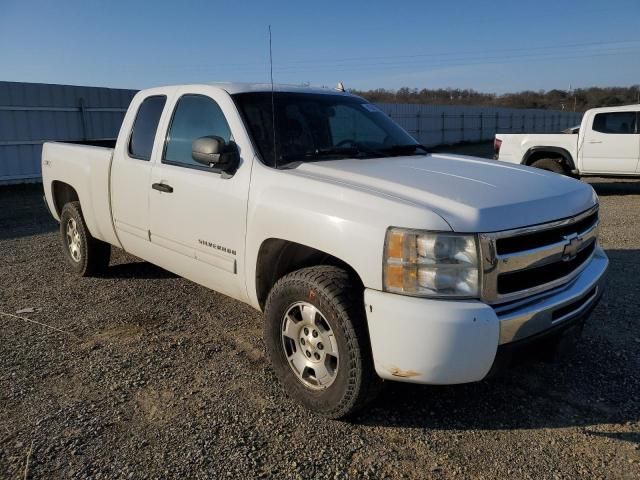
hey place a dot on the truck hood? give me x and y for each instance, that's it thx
(470, 194)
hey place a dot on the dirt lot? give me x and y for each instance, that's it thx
(151, 376)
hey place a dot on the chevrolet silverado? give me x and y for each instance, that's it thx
(370, 257)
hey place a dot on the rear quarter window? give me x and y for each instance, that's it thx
(144, 127)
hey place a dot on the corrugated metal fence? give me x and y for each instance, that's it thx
(447, 125)
(31, 113)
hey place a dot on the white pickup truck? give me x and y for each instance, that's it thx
(607, 143)
(370, 258)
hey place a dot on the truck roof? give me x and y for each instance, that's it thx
(239, 87)
(233, 87)
(623, 108)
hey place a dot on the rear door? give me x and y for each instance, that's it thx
(131, 173)
(612, 144)
(198, 214)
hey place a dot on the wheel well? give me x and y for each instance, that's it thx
(558, 154)
(278, 257)
(62, 193)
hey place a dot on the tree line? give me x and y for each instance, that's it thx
(578, 100)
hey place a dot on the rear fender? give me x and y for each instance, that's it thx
(556, 151)
(86, 169)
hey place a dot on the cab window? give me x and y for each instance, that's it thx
(145, 126)
(195, 116)
(615, 122)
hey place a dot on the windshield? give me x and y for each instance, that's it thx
(314, 127)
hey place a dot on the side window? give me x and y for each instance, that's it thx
(145, 126)
(615, 122)
(195, 116)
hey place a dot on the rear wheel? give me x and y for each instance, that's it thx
(84, 254)
(316, 337)
(551, 165)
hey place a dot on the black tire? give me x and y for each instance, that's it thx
(89, 256)
(339, 299)
(551, 165)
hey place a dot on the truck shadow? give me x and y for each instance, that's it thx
(597, 384)
(615, 188)
(136, 269)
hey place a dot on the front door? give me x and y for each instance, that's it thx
(198, 214)
(612, 145)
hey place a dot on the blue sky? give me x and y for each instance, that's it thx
(496, 46)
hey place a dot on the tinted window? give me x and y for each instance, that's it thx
(195, 116)
(615, 122)
(349, 122)
(316, 127)
(145, 126)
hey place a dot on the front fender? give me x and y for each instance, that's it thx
(342, 220)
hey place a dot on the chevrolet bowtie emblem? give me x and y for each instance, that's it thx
(571, 247)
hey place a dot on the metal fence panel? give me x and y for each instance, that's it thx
(31, 113)
(450, 124)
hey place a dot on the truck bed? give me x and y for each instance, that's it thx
(100, 142)
(515, 145)
(84, 168)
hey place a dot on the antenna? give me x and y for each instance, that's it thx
(273, 103)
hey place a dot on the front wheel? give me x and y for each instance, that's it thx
(316, 337)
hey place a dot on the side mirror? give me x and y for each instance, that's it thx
(214, 152)
(207, 150)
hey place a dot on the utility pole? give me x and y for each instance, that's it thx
(575, 101)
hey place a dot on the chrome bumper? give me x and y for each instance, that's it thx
(522, 319)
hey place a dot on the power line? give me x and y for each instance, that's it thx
(332, 61)
(448, 55)
(468, 52)
(472, 61)
(581, 51)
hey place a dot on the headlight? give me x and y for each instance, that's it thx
(431, 264)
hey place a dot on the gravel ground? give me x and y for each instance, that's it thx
(151, 376)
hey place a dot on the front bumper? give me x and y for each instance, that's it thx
(449, 341)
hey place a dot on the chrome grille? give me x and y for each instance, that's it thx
(526, 261)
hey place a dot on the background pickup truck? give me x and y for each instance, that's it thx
(606, 144)
(370, 258)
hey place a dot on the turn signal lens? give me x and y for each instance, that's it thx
(394, 245)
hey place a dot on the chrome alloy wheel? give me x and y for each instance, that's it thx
(310, 346)
(73, 240)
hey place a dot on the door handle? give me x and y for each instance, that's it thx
(162, 187)
(595, 141)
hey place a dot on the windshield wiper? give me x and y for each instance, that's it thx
(408, 148)
(355, 151)
(339, 152)
(327, 152)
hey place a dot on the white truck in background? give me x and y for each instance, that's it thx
(607, 143)
(370, 258)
